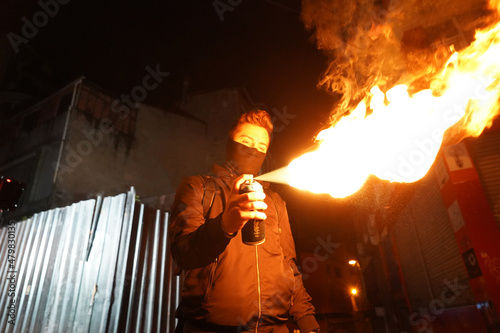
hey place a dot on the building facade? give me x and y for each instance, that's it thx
(84, 141)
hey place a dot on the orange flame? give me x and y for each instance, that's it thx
(399, 139)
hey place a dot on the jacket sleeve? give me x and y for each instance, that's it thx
(195, 242)
(302, 309)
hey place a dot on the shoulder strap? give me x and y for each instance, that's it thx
(209, 190)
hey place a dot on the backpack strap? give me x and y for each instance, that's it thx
(209, 190)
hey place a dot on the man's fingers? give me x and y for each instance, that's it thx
(244, 199)
(256, 196)
(248, 215)
(246, 205)
(257, 205)
(238, 181)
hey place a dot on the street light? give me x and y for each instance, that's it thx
(354, 292)
(354, 263)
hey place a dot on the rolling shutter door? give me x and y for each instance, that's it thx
(427, 247)
(485, 152)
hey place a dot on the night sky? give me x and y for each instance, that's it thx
(260, 45)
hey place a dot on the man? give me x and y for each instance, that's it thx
(230, 286)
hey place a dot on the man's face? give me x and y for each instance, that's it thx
(252, 136)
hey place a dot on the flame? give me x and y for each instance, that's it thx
(396, 135)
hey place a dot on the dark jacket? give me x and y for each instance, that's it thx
(229, 284)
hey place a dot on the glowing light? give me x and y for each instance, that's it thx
(352, 262)
(396, 135)
(354, 291)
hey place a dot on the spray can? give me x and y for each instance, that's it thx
(253, 232)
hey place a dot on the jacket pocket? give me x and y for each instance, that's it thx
(210, 279)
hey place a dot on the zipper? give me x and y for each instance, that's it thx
(258, 289)
(210, 279)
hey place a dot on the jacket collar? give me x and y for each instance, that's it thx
(224, 173)
(228, 175)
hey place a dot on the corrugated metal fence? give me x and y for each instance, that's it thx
(99, 265)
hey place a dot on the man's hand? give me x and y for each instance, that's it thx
(242, 207)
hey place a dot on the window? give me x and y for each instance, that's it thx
(338, 273)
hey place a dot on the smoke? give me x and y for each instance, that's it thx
(364, 42)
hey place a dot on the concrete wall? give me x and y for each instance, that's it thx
(106, 153)
(95, 162)
(164, 147)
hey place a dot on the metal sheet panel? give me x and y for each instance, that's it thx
(20, 235)
(152, 272)
(5, 272)
(82, 220)
(121, 267)
(24, 275)
(30, 274)
(46, 226)
(107, 265)
(4, 267)
(97, 265)
(142, 280)
(88, 286)
(162, 317)
(64, 272)
(46, 274)
(132, 301)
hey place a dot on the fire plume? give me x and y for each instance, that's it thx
(396, 135)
